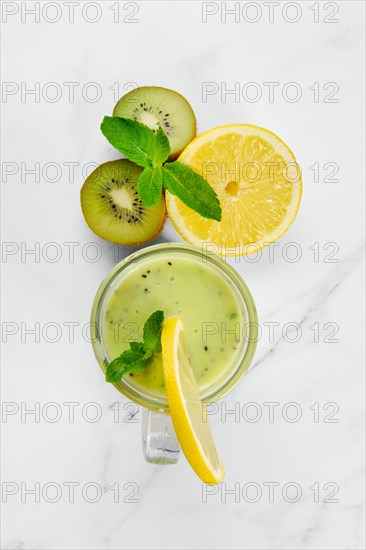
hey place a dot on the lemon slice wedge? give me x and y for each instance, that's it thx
(186, 408)
(258, 183)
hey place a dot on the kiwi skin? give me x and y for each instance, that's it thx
(175, 154)
(134, 242)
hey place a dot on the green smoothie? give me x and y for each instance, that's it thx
(205, 299)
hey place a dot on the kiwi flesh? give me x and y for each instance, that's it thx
(152, 106)
(113, 209)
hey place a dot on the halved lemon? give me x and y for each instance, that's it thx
(185, 406)
(257, 180)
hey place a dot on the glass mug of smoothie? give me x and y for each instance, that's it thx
(220, 326)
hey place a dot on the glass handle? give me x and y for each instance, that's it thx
(159, 442)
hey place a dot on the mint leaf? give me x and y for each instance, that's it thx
(113, 374)
(133, 139)
(150, 185)
(130, 360)
(161, 147)
(137, 346)
(192, 189)
(152, 331)
(130, 356)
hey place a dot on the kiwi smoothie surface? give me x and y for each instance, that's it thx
(190, 288)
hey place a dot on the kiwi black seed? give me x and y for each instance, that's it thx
(113, 209)
(156, 106)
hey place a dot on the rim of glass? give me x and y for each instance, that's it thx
(160, 403)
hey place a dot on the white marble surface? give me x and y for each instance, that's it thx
(171, 46)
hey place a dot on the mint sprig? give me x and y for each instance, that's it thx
(141, 354)
(150, 150)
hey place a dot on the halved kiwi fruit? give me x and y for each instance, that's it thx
(153, 106)
(113, 209)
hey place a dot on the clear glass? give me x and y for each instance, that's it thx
(159, 441)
